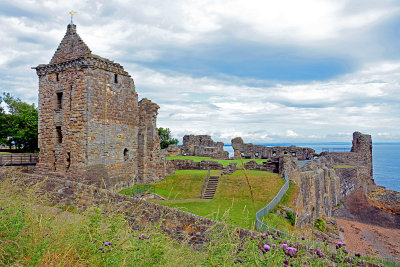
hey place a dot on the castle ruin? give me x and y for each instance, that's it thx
(250, 151)
(92, 128)
(203, 146)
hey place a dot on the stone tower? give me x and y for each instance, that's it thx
(92, 128)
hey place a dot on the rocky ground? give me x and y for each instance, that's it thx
(369, 223)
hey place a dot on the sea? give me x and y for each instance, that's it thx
(385, 158)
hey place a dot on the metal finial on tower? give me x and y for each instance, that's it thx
(72, 14)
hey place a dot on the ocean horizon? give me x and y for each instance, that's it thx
(385, 159)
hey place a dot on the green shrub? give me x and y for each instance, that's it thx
(291, 217)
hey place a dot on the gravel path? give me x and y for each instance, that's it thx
(370, 238)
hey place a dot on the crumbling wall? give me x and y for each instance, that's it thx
(151, 160)
(360, 157)
(187, 164)
(267, 166)
(173, 150)
(319, 188)
(250, 151)
(203, 146)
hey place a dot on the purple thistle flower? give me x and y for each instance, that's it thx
(284, 246)
(273, 245)
(240, 249)
(286, 262)
(267, 247)
(252, 237)
(339, 244)
(239, 259)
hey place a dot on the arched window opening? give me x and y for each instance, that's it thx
(126, 154)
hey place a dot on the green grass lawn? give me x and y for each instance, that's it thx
(224, 162)
(278, 221)
(343, 166)
(232, 201)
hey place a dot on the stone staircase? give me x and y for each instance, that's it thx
(210, 187)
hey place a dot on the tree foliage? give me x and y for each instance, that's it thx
(166, 138)
(18, 123)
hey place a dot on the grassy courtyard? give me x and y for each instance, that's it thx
(232, 201)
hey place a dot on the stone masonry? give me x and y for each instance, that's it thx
(203, 146)
(251, 151)
(91, 127)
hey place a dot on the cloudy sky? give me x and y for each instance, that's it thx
(269, 71)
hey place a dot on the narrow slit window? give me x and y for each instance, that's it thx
(59, 134)
(126, 154)
(57, 77)
(59, 100)
(115, 78)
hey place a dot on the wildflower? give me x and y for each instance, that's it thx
(252, 237)
(240, 249)
(264, 236)
(284, 246)
(239, 259)
(273, 245)
(278, 232)
(286, 262)
(358, 255)
(339, 245)
(266, 247)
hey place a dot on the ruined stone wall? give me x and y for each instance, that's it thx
(173, 150)
(187, 164)
(62, 111)
(267, 166)
(359, 156)
(151, 160)
(251, 151)
(319, 188)
(203, 146)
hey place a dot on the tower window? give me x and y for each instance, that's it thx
(59, 134)
(126, 154)
(57, 77)
(59, 100)
(115, 78)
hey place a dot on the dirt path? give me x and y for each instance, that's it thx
(370, 238)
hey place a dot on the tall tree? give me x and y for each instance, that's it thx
(166, 138)
(18, 124)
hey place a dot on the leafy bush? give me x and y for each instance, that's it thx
(291, 217)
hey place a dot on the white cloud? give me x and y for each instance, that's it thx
(366, 99)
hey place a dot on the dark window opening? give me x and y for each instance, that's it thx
(294, 154)
(57, 77)
(59, 100)
(256, 154)
(285, 152)
(126, 154)
(242, 154)
(115, 78)
(70, 99)
(68, 160)
(274, 154)
(59, 134)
